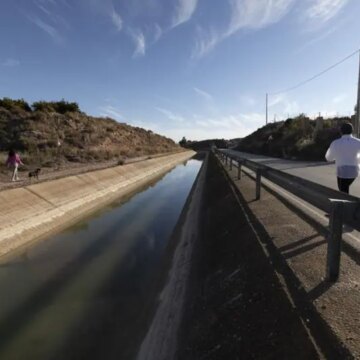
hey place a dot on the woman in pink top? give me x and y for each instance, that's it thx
(14, 161)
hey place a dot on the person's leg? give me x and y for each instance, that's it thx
(339, 182)
(344, 184)
(348, 182)
(15, 173)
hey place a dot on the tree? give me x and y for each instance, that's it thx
(183, 141)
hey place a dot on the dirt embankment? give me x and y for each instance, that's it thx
(58, 136)
(298, 138)
(238, 306)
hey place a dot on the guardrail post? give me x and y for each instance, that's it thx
(230, 163)
(239, 170)
(334, 240)
(258, 184)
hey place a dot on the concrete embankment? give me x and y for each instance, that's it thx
(35, 211)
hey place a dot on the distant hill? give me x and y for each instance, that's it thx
(297, 138)
(49, 132)
(204, 144)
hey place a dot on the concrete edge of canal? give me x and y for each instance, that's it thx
(160, 342)
(33, 212)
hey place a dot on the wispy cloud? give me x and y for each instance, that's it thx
(48, 17)
(226, 126)
(276, 99)
(140, 42)
(170, 115)
(157, 32)
(10, 62)
(107, 8)
(183, 12)
(42, 6)
(256, 14)
(321, 11)
(283, 106)
(205, 95)
(47, 28)
(245, 14)
(111, 111)
(206, 41)
(116, 19)
(317, 39)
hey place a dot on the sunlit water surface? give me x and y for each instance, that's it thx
(90, 292)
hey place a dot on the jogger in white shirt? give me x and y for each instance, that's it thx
(346, 154)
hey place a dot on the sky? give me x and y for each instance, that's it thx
(193, 68)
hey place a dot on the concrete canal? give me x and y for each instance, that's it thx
(91, 292)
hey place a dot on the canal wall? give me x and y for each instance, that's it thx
(35, 211)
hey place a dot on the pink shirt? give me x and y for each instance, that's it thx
(13, 160)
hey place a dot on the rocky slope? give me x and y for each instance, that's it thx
(296, 138)
(47, 134)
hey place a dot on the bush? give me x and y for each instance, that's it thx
(60, 107)
(10, 104)
(294, 138)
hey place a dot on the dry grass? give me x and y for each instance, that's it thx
(36, 135)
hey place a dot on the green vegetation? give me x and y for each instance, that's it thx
(10, 104)
(60, 107)
(297, 138)
(203, 144)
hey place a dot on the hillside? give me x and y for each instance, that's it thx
(54, 133)
(203, 144)
(297, 138)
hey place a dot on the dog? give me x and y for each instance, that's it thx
(34, 174)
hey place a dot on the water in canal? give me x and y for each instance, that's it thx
(90, 292)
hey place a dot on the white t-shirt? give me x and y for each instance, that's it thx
(346, 154)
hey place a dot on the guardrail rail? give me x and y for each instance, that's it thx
(343, 209)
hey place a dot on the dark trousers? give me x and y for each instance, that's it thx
(344, 184)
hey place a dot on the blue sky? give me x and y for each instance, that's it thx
(194, 68)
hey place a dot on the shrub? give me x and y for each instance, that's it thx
(60, 107)
(10, 104)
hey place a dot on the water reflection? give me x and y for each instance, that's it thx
(89, 292)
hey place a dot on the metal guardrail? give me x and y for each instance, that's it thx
(342, 208)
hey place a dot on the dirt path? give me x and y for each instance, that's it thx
(297, 249)
(59, 172)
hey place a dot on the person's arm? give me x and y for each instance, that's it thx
(330, 154)
(18, 160)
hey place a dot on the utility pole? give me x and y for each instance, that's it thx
(267, 108)
(357, 113)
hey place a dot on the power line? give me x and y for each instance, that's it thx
(317, 75)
